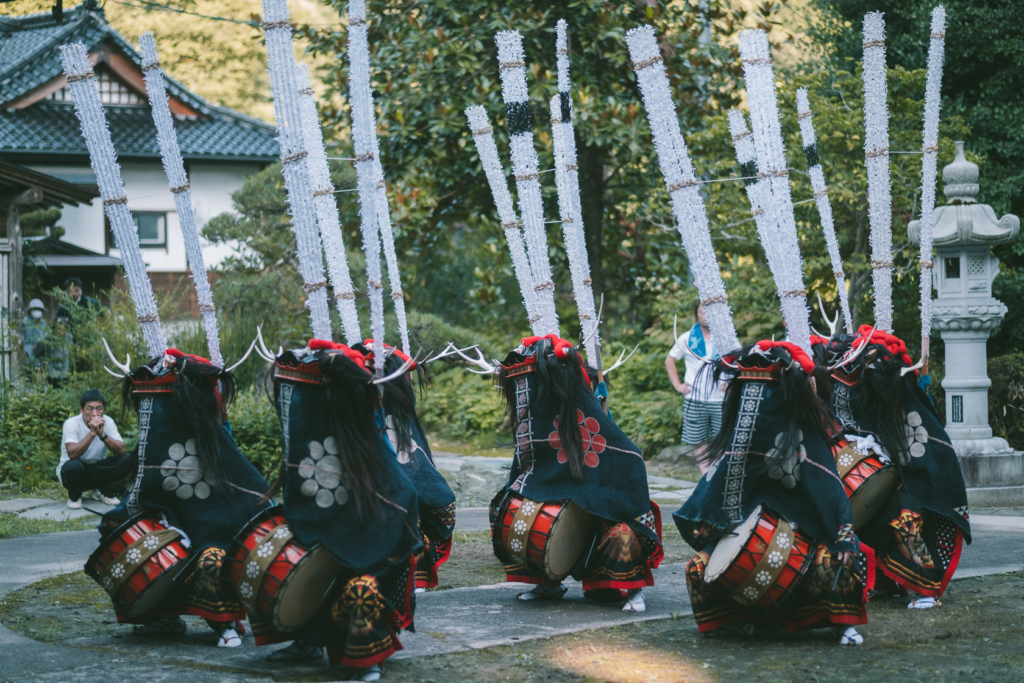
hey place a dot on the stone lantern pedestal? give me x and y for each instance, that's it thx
(965, 314)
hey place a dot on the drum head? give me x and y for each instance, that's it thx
(304, 590)
(730, 546)
(156, 592)
(570, 537)
(871, 497)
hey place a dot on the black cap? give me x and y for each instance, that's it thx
(73, 281)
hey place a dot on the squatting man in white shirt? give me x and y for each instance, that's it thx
(84, 464)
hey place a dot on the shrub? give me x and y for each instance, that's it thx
(1006, 398)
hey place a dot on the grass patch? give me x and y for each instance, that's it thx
(12, 525)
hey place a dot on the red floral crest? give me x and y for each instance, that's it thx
(593, 443)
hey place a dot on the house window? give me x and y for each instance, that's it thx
(112, 91)
(152, 228)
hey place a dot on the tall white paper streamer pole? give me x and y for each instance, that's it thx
(930, 149)
(757, 188)
(821, 197)
(483, 136)
(569, 206)
(326, 209)
(512, 66)
(687, 204)
(387, 238)
(277, 32)
(103, 157)
(876, 154)
(771, 165)
(175, 170)
(364, 142)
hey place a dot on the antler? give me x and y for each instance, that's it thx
(600, 310)
(832, 324)
(449, 350)
(263, 351)
(918, 366)
(397, 373)
(124, 367)
(246, 355)
(856, 353)
(622, 360)
(488, 369)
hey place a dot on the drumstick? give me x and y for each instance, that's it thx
(836, 580)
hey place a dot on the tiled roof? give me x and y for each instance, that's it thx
(52, 128)
(29, 57)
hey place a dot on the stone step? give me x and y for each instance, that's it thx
(996, 497)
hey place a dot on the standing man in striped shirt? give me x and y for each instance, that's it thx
(702, 402)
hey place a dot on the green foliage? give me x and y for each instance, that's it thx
(431, 60)
(982, 83)
(35, 223)
(256, 430)
(1006, 398)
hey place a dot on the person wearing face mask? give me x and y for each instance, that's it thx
(35, 330)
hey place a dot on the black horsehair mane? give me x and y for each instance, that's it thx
(803, 408)
(194, 402)
(558, 382)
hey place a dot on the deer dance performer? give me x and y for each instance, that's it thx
(770, 519)
(920, 523)
(163, 547)
(346, 536)
(576, 501)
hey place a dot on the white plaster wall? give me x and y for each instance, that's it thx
(146, 187)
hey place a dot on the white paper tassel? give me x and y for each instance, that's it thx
(387, 237)
(364, 142)
(757, 188)
(780, 226)
(512, 67)
(327, 209)
(876, 153)
(930, 149)
(483, 136)
(569, 206)
(175, 170)
(277, 32)
(687, 204)
(817, 174)
(103, 157)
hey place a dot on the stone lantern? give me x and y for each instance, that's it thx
(965, 315)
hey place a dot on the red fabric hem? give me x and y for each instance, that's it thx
(654, 560)
(365, 661)
(196, 612)
(724, 621)
(821, 621)
(946, 578)
(533, 580)
(403, 617)
(869, 580)
(443, 550)
(616, 585)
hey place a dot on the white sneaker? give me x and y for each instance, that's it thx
(370, 673)
(110, 501)
(75, 504)
(419, 589)
(95, 495)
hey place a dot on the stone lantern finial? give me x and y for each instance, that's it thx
(960, 178)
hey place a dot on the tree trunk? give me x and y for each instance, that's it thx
(590, 162)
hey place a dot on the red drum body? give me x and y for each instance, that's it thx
(137, 564)
(278, 577)
(549, 538)
(868, 480)
(760, 562)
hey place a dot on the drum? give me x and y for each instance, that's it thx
(869, 482)
(760, 562)
(137, 564)
(548, 538)
(278, 577)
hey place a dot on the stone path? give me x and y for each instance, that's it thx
(447, 621)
